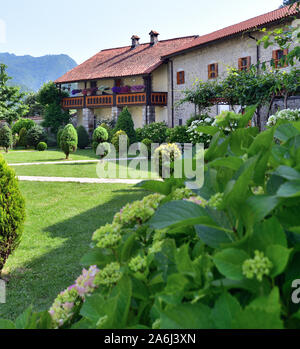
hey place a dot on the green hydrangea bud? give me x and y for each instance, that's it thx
(110, 275)
(156, 325)
(138, 264)
(257, 267)
(182, 193)
(108, 236)
(216, 201)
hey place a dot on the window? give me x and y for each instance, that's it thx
(118, 82)
(180, 122)
(180, 78)
(93, 84)
(279, 58)
(244, 63)
(213, 71)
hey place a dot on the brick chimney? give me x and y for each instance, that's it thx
(153, 37)
(135, 41)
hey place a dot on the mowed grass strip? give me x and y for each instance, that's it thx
(61, 218)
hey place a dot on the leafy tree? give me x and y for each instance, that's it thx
(125, 123)
(289, 2)
(6, 139)
(69, 140)
(54, 117)
(35, 135)
(12, 212)
(34, 107)
(100, 135)
(83, 137)
(22, 123)
(12, 106)
(22, 141)
(49, 94)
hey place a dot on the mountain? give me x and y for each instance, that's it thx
(32, 72)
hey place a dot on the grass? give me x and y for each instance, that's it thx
(15, 156)
(61, 218)
(81, 170)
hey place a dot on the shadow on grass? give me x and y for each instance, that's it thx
(40, 280)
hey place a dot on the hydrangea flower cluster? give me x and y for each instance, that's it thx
(138, 264)
(182, 193)
(108, 276)
(227, 120)
(216, 201)
(199, 137)
(284, 115)
(259, 266)
(64, 305)
(108, 236)
(138, 212)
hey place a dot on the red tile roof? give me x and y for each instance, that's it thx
(241, 27)
(124, 61)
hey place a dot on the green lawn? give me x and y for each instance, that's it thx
(61, 218)
(82, 170)
(16, 156)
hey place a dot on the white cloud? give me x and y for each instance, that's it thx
(2, 32)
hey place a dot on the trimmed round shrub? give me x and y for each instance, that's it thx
(22, 142)
(116, 141)
(42, 146)
(58, 136)
(103, 149)
(156, 131)
(15, 140)
(100, 135)
(139, 134)
(35, 135)
(69, 140)
(148, 144)
(125, 123)
(12, 212)
(178, 134)
(22, 123)
(166, 154)
(83, 137)
(109, 131)
(6, 139)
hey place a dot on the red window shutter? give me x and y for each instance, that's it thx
(285, 53)
(240, 63)
(248, 62)
(209, 71)
(180, 78)
(216, 70)
(274, 57)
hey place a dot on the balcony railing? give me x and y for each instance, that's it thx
(156, 98)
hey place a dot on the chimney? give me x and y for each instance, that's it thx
(135, 41)
(153, 37)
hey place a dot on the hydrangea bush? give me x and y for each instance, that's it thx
(196, 136)
(224, 256)
(282, 116)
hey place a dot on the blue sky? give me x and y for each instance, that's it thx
(82, 28)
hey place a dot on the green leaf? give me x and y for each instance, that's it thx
(270, 303)
(129, 248)
(248, 115)
(241, 139)
(229, 262)
(225, 310)
(186, 316)
(263, 141)
(231, 162)
(7, 325)
(287, 173)
(179, 213)
(96, 256)
(289, 189)
(261, 205)
(295, 230)
(213, 237)
(155, 186)
(286, 131)
(279, 256)
(209, 130)
(255, 319)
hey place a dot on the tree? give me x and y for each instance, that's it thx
(83, 137)
(125, 123)
(54, 117)
(100, 135)
(22, 123)
(69, 140)
(289, 2)
(12, 106)
(6, 139)
(49, 97)
(35, 135)
(12, 212)
(34, 107)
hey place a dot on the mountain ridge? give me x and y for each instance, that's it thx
(32, 72)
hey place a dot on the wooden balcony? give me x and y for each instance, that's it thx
(156, 99)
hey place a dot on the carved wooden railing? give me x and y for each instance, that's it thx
(99, 101)
(131, 99)
(73, 102)
(159, 98)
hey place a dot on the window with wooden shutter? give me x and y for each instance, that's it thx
(213, 71)
(278, 57)
(180, 78)
(244, 63)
